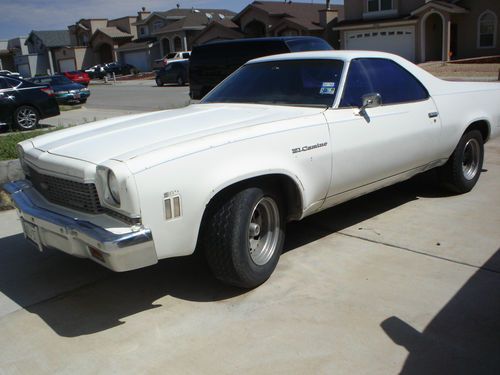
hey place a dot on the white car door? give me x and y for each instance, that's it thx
(398, 136)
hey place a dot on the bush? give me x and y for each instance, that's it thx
(8, 142)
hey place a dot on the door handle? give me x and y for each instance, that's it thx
(433, 114)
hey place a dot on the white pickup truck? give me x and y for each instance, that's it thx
(282, 138)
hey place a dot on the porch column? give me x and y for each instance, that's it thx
(446, 38)
(185, 42)
(115, 54)
(51, 62)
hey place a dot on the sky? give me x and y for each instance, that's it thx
(19, 17)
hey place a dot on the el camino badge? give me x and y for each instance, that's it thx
(308, 148)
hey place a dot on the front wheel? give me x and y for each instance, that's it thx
(26, 117)
(463, 168)
(159, 82)
(243, 237)
(180, 81)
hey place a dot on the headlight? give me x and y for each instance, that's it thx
(114, 188)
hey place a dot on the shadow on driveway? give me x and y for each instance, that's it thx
(78, 297)
(464, 337)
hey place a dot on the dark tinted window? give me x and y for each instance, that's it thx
(12, 82)
(391, 81)
(3, 84)
(308, 45)
(294, 82)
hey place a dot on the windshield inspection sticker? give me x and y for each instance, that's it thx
(327, 88)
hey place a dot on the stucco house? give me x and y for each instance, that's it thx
(283, 18)
(162, 32)
(422, 30)
(41, 50)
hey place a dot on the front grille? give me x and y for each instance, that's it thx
(75, 195)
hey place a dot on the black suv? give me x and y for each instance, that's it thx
(24, 103)
(212, 62)
(175, 71)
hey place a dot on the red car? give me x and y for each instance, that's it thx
(78, 77)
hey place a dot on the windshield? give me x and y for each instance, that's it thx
(293, 82)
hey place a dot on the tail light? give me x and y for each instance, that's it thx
(48, 91)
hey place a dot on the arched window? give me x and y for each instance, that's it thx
(487, 29)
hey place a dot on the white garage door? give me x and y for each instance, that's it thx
(139, 59)
(24, 70)
(397, 40)
(67, 65)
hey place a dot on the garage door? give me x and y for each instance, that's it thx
(139, 59)
(397, 40)
(67, 65)
(24, 70)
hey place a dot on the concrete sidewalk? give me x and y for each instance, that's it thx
(404, 280)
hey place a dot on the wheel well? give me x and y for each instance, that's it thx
(482, 126)
(283, 184)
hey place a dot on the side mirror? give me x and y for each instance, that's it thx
(370, 101)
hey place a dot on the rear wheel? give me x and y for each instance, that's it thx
(180, 81)
(463, 168)
(243, 237)
(159, 83)
(26, 117)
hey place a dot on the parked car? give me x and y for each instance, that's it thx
(10, 74)
(24, 103)
(97, 71)
(78, 77)
(174, 72)
(212, 62)
(120, 68)
(181, 55)
(65, 90)
(282, 138)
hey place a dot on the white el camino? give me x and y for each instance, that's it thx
(282, 138)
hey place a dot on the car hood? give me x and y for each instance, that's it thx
(127, 137)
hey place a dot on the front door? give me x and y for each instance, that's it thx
(384, 142)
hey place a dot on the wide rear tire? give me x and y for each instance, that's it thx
(243, 237)
(463, 168)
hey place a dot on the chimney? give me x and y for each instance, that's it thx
(326, 16)
(143, 14)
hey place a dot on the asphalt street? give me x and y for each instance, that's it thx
(404, 280)
(137, 96)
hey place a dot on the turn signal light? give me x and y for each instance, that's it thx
(97, 254)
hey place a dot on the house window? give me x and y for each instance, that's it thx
(487, 30)
(379, 5)
(157, 25)
(143, 30)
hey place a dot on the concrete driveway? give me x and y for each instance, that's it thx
(404, 280)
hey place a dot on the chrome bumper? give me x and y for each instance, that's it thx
(132, 248)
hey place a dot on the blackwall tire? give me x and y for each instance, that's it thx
(462, 170)
(243, 237)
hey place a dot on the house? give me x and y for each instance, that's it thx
(422, 30)
(160, 33)
(272, 18)
(6, 56)
(95, 41)
(41, 48)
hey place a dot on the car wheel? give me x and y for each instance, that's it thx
(180, 81)
(83, 101)
(463, 168)
(243, 237)
(159, 82)
(26, 117)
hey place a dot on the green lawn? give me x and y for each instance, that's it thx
(8, 142)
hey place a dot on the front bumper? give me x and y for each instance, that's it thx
(72, 97)
(123, 250)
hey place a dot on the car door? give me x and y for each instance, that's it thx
(381, 143)
(6, 105)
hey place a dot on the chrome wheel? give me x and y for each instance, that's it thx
(471, 159)
(264, 231)
(26, 118)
